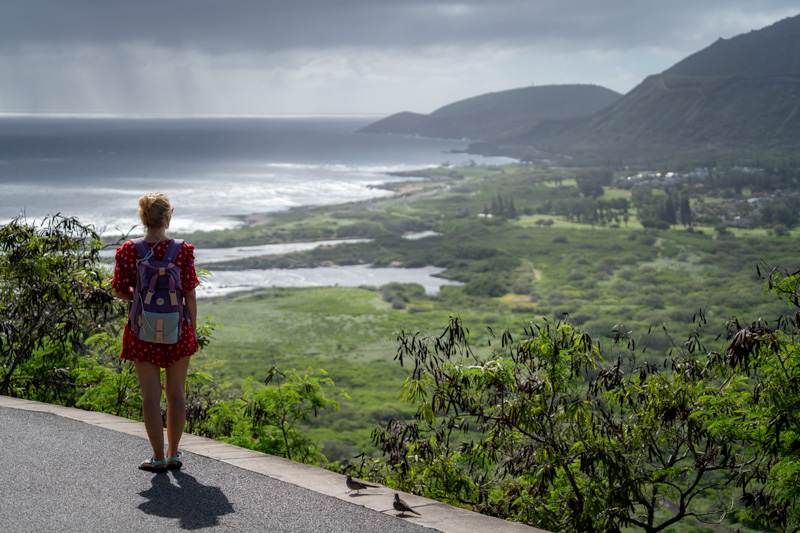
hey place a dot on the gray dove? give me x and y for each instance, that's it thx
(403, 507)
(356, 485)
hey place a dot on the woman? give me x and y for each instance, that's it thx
(149, 358)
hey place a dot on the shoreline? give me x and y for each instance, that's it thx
(419, 181)
(416, 182)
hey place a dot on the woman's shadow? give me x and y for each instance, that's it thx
(195, 505)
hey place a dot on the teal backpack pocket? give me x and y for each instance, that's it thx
(160, 328)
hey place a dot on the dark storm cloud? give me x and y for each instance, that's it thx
(225, 26)
(340, 56)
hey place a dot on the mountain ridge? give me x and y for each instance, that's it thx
(769, 51)
(492, 114)
(736, 98)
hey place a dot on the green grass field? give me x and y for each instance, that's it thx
(601, 276)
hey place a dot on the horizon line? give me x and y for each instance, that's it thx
(146, 116)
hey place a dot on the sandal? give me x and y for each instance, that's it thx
(151, 465)
(175, 463)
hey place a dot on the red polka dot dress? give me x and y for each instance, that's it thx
(133, 348)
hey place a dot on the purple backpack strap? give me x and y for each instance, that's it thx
(141, 246)
(145, 251)
(172, 250)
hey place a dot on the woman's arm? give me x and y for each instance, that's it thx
(124, 278)
(127, 296)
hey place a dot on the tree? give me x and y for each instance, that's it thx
(486, 285)
(271, 414)
(512, 209)
(109, 383)
(782, 211)
(544, 432)
(768, 356)
(685, 211)
(54, 294)
(589, 187)
(780, 230)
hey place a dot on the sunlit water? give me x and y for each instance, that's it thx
(231, 281)
(216, 170)
(224, 282)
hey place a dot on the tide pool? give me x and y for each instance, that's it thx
(226, 282)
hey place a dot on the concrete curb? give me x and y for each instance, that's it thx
(434, 514)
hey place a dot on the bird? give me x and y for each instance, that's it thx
(403, 507)
(356, 485)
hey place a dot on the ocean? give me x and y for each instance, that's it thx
(215, 170)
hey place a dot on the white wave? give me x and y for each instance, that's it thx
(100, 181)
(341, 167)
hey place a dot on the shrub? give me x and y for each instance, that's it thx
(576, 275)
(542, 431)
(647, 240)
(54, 294)
(486, 285)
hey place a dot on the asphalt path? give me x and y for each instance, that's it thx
(65, 475)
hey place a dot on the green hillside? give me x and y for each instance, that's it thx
(681, 118)
(771, 51)
(738, 98)
(489, 115)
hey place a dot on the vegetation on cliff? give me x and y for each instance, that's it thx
(602, 366)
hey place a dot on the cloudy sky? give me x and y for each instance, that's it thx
(340, 56)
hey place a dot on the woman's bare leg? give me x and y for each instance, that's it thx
(175, 387)
(150, 384)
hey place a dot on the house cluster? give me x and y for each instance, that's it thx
(659, 180)
(736, 212)
(740, 213)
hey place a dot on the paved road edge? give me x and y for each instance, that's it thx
(434, 515)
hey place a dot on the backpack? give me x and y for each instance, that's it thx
(157, 310)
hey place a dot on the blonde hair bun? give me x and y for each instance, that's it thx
(153, 209)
